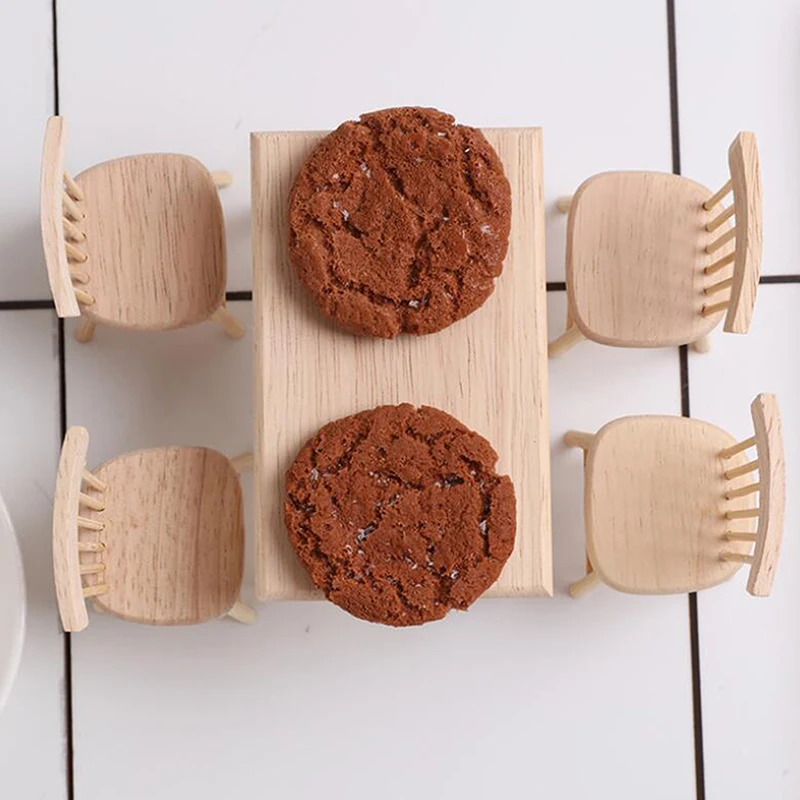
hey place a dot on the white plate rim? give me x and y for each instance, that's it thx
(9, 673)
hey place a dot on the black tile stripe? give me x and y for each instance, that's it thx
(56, 87)
(68, 716)
(69, 750)
(767, 279)
(672, 55)
(25, 305)
(232, 297)
(246, 296)
(683, 360)
(683, 356)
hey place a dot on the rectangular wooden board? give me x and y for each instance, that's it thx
(488, 370)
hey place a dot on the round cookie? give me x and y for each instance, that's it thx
(397, 514)
(399, 222)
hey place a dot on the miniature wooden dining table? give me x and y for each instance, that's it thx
(489, 370)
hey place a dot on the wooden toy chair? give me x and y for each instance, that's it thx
(652, 258)
(670, 503)
(155, 536)
(136, 242)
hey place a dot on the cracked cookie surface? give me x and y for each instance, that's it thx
(399, 222)
(397, 514)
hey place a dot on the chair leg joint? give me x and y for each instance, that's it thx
(587, 582)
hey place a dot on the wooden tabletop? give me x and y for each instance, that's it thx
(488, 370)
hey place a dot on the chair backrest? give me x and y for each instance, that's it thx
(77, 561)
(745, 183)
(771, 488)
(772, 493)
(61, 214)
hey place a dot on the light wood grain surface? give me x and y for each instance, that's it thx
(155, 240)
(153, 536)
(173, 533)
(772, 493)
(66, 556)
(489, 370)
(654, 260)
(51, 193)
(635, 259)
(746, 185)
(670, 503)
(655, 505)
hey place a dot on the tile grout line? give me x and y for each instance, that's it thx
(68, 715)
(62, 418)
(234, 296)
(245, 295)
(683, 356)
(25, 305)
(28, 305)
(767, 279)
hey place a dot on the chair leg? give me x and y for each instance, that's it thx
(566, 341)
(242, 613)
(587, 582)
(702, 345)
(85, 331)
(222, 179)
(243, 462)
(563, 204)
(578, 439)
(232, 327)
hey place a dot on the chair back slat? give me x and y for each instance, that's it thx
(746, 181)
(52, 220)
(772, 487)
(66, 559)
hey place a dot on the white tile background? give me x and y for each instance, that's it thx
(552, 698)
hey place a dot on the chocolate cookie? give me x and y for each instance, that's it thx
(398, 515)
(399, 222)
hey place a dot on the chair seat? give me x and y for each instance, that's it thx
(635, 258)
(174, 534)
(155, 238)
(655, 507)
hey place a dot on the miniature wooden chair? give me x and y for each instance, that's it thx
(652, 259)
(155, 536)
(136, 242)
(669, 503)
